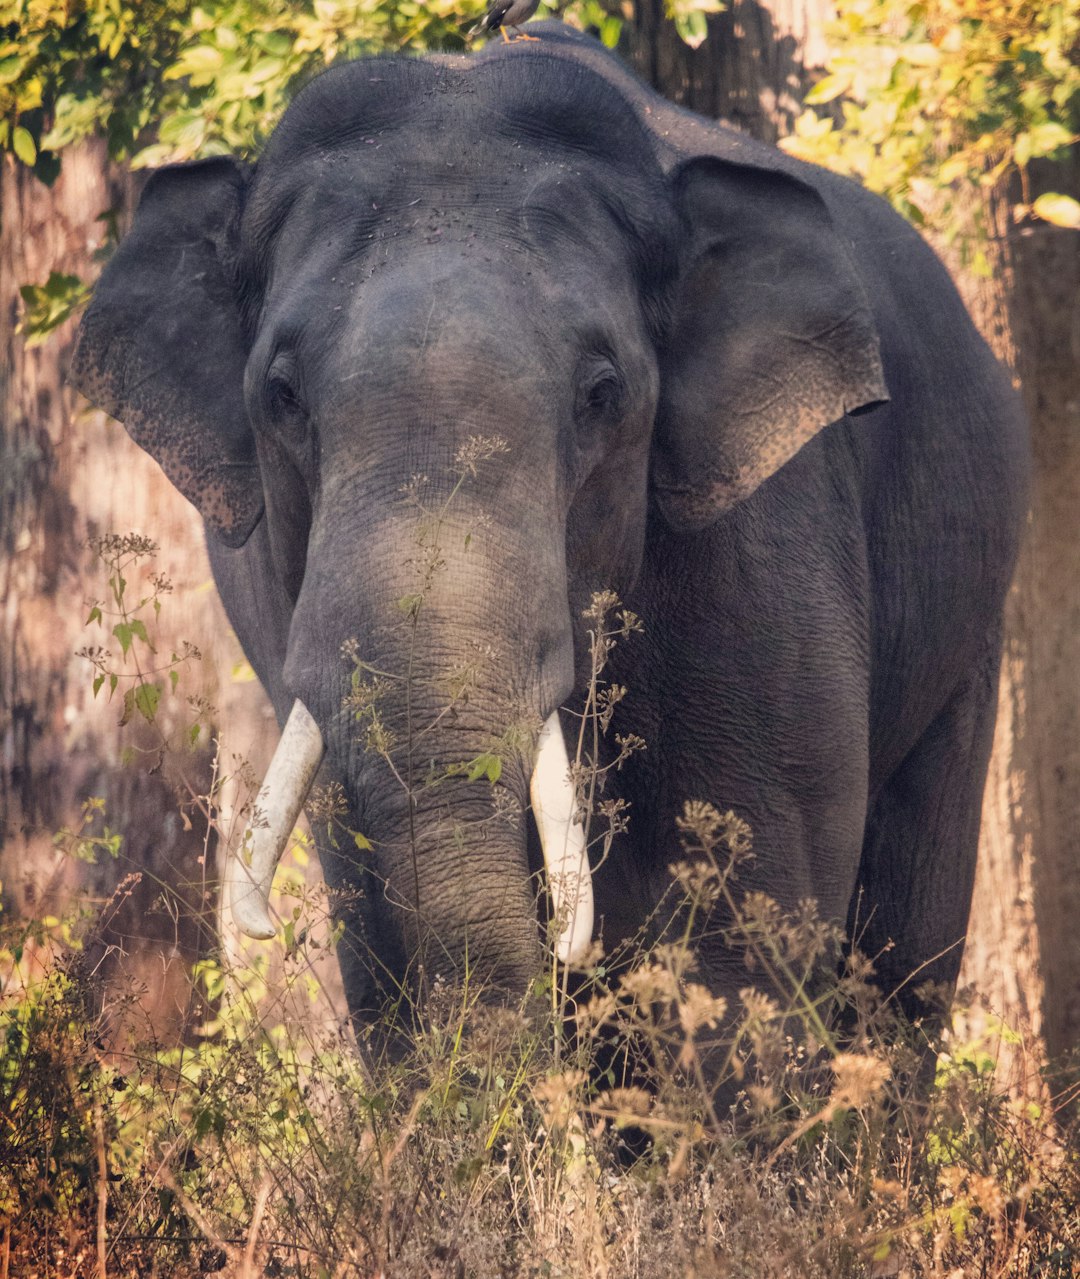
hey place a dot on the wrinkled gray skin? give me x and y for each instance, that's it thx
(734, 388)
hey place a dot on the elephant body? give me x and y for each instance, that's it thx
(481, 336)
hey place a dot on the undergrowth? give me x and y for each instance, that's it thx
(263, 1148)
(623, 1122)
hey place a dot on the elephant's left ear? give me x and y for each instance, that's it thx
(772, 337)
(161, 346)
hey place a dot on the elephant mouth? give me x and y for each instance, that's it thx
(285, 789)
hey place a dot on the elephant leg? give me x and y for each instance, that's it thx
(918, 862)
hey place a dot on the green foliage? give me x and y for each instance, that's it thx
(935, 94)
(72, 68)
(138, 664)
(46, 306)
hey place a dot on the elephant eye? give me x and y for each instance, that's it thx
(284, 399)
(601, 395)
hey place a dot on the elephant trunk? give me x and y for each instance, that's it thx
(429, 739)
(285, 789)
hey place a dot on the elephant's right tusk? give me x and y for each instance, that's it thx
(277, 807)
(566, 856)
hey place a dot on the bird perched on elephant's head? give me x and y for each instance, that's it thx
(507, 13)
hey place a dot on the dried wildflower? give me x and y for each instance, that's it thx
(600, 605)
(591, 957)
(700, 880)
(327, 804)
(606, 701)
(705, 830)
(616, 813)
(560, 1097)
(650, 982)
(506, 807)
(118, 545)
(986, 1194)
(628, 744)
(599, 1011)
(378, 739)
(412, 488)
(763, 1098)
(860, 1080)
(495, 1028)
(699, 1008)
(625, 1104)
(476, 450)
(757, 1005)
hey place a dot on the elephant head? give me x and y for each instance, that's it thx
(433, 366)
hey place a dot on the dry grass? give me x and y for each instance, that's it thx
(502, 1147)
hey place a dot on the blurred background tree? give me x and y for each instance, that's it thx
(964, 113)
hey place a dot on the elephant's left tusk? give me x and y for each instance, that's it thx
(277, 807)
(566, 857)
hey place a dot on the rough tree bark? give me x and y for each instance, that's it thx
(1044, 315)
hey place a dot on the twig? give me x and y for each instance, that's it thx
(102, 1192)
(262, 1195)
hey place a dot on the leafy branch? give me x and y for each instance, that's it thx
(138, 662)
(925, 97)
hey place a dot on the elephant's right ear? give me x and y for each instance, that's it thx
(772, 337)
(161, 346)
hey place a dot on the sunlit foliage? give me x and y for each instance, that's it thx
(923, 96)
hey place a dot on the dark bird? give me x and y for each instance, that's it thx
(507, 13)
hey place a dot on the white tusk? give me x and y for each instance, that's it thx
(566, 857)
(277, 806)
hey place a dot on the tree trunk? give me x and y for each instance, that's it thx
(1044, 312)
(753, 70)
(67, 474)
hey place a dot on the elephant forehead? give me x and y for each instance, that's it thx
(478, 129)
(547, 98)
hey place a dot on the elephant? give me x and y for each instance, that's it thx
(480, 337)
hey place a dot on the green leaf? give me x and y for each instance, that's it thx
(122, 631)
(200, 63)
(1049, 137)
(361, 841)
(11, 67)
(93, 616)
(22, 143)
(147, 697)
(174, 679)
(692, 28)
(832, 86)
(1060, 210)
(487, 765)
(410, 604)
(610, 31)
(98, 681)
(48, 305)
